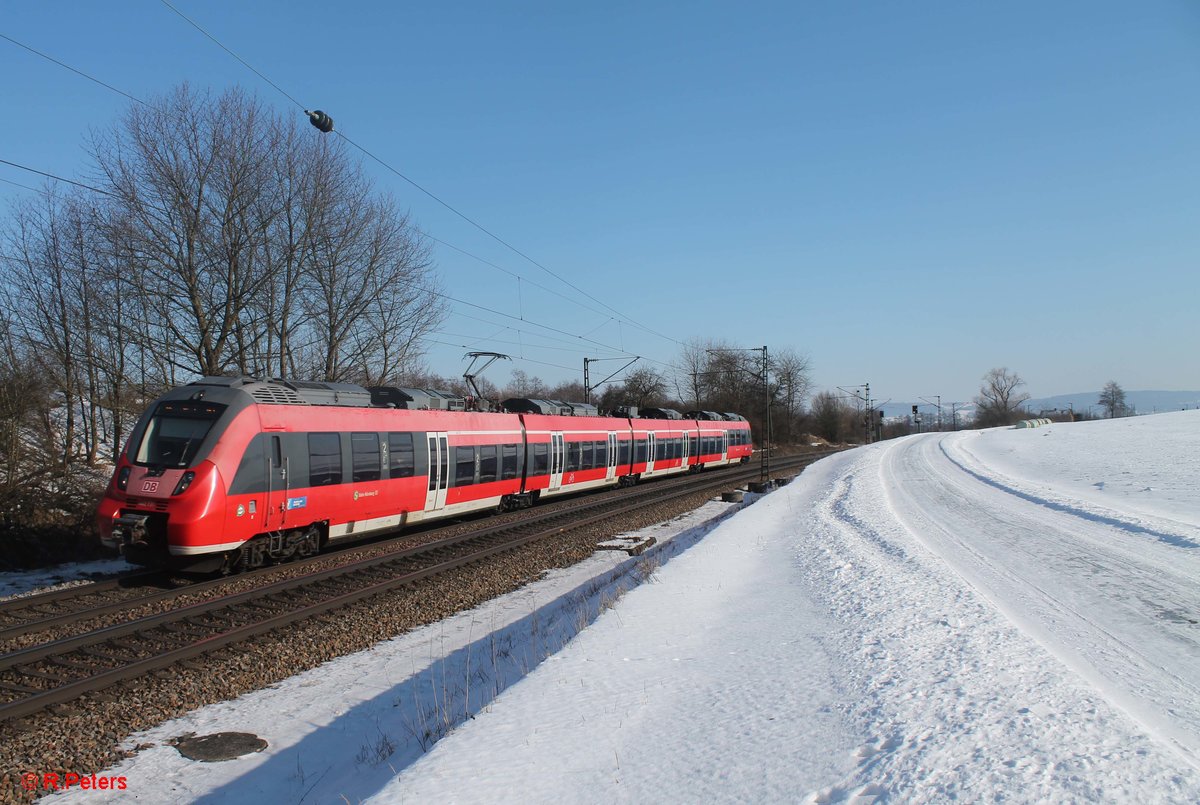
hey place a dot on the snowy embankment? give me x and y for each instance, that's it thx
(26, 582)
(977, 615)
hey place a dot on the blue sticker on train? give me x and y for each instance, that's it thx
(298, 503)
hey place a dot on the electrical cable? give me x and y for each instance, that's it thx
(389, 168)
(73, 70)
(424, 190)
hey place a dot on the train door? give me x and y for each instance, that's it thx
(557, 460)
(275, 514)
(686, 449)
(611, 473)
(439, 471)
(651, 450)
(724, 447)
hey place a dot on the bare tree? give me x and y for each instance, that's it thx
(830, 414)
(188, 171)
(1112, 399)
(792, 378)
(523, 386)
(999, 401)
(644, 387)
(258, 250)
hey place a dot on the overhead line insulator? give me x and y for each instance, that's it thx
(322, 121)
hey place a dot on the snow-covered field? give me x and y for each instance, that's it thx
(985, 615)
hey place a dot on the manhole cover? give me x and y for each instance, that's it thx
(219, 745)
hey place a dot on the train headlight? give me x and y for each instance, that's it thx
(184, 482)
(123, 478)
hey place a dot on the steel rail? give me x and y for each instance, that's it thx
(14, 609)
(184, 622)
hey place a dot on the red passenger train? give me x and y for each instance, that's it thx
(229, 473)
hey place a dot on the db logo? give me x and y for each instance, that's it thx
(30, 780)
(150, 486)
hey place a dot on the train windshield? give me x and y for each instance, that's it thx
(174, 434)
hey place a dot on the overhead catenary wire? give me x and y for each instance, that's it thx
(73, 69)
(383, 163)
(572, 337)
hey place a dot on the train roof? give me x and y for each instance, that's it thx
(277, 391)
(524, 405)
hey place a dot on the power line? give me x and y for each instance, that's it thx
(501, 241)
(515, 359)
(73, 70)
(23, 186)
(245, 63)
(426, 191)
(391, 169)
(57, 178)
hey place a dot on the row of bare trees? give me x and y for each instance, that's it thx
(222, 239)
(210, 235)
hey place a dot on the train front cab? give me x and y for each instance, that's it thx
(168, 490)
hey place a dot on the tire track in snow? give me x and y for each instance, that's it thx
(953, 700)
(958, 454)
(1065, 580)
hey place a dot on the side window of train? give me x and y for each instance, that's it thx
(602, 454)
(623, 451)
(324, 459)
(401, 458)
(364, 448)
(251, 475)
(541, 459)
(487, 463)
(509, 465)
(464, 466)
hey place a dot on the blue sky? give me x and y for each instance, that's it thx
(909, 193)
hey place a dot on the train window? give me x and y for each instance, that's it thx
(464, 466)
(433, 473)
(174, 434)
(487, 463)
(324, 459)
(508, 462)
(694, 445)
(573, 455)
(602, 454)
(588, 459)
(364, 449)
(401, 459)
(640, 457)
(623, 452)
(541, 459)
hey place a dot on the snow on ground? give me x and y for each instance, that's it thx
(14, 584)
(947, 616)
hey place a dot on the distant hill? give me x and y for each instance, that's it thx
(1143, 402)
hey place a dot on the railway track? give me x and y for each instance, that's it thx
(60, 670)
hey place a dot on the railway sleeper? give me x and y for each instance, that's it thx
(25, 670)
